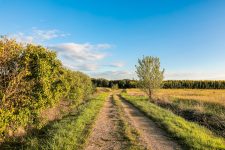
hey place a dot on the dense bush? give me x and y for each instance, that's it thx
(167, 84)
(32, 79)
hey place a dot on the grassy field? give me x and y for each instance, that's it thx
(70, 132)
(205, 107)
(192, 135)
(73, 130)
(212, 96)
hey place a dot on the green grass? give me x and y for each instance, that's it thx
(70, 132)
(189, 134)
(206, 113)
(206, 107)
(129, 133)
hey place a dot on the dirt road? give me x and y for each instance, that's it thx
(155, 137)
(105, 135)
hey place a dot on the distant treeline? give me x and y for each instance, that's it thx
(167, 84)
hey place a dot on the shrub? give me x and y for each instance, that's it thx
(33, 79)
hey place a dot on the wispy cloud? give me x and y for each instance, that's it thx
(84, 57)
(195, 76)
(117, 64)
(82, 66)
(37, 35)
(80, 52)
(77, 56)
(47, 34)
(114, 75)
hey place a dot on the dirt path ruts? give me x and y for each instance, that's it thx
(104, 135)
(155, 137)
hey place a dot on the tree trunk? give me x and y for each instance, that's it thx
(150, 94)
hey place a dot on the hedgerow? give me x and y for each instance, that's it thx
(31, 80)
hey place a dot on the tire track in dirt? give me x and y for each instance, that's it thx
(155, 137)
(104, 135)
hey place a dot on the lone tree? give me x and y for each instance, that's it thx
(149, 74)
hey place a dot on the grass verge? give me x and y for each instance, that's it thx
(130, 134)
(210, 115)
(189, 134)
(190, 104)
(70, 132)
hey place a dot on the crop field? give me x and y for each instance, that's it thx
(211, 101)
(201, 95)
(206, 107)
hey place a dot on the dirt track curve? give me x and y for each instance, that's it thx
(155, 137)
(105, 135)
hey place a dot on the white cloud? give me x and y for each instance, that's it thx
(83, 57)
(21, 37)
(47, 34)
(82, 66)
(79, 52)
(104, 46)
(194, 76)
(114, 75)
(116, 64)
(37, 35)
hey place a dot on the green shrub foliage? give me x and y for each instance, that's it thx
(33, 79)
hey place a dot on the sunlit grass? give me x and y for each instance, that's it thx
(192, 135)
(204, 95)
(68, 133)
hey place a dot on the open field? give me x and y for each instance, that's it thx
(216, 96)
(189, 134)
(205, 101)
(205, 107)
(119, 122)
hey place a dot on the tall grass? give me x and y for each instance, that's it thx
(203, 95)
(191, 135)
(211, 114)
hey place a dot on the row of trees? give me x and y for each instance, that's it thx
(122, 84)
(33, 79)
(167, 84)
(193, 84)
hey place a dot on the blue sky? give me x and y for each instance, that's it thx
(104, 38)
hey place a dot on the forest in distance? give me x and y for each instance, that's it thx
(166, 84)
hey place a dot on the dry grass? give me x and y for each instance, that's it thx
(189, 134)
(206, 107)
(215, 96)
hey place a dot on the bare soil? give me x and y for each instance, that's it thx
(105, 135)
